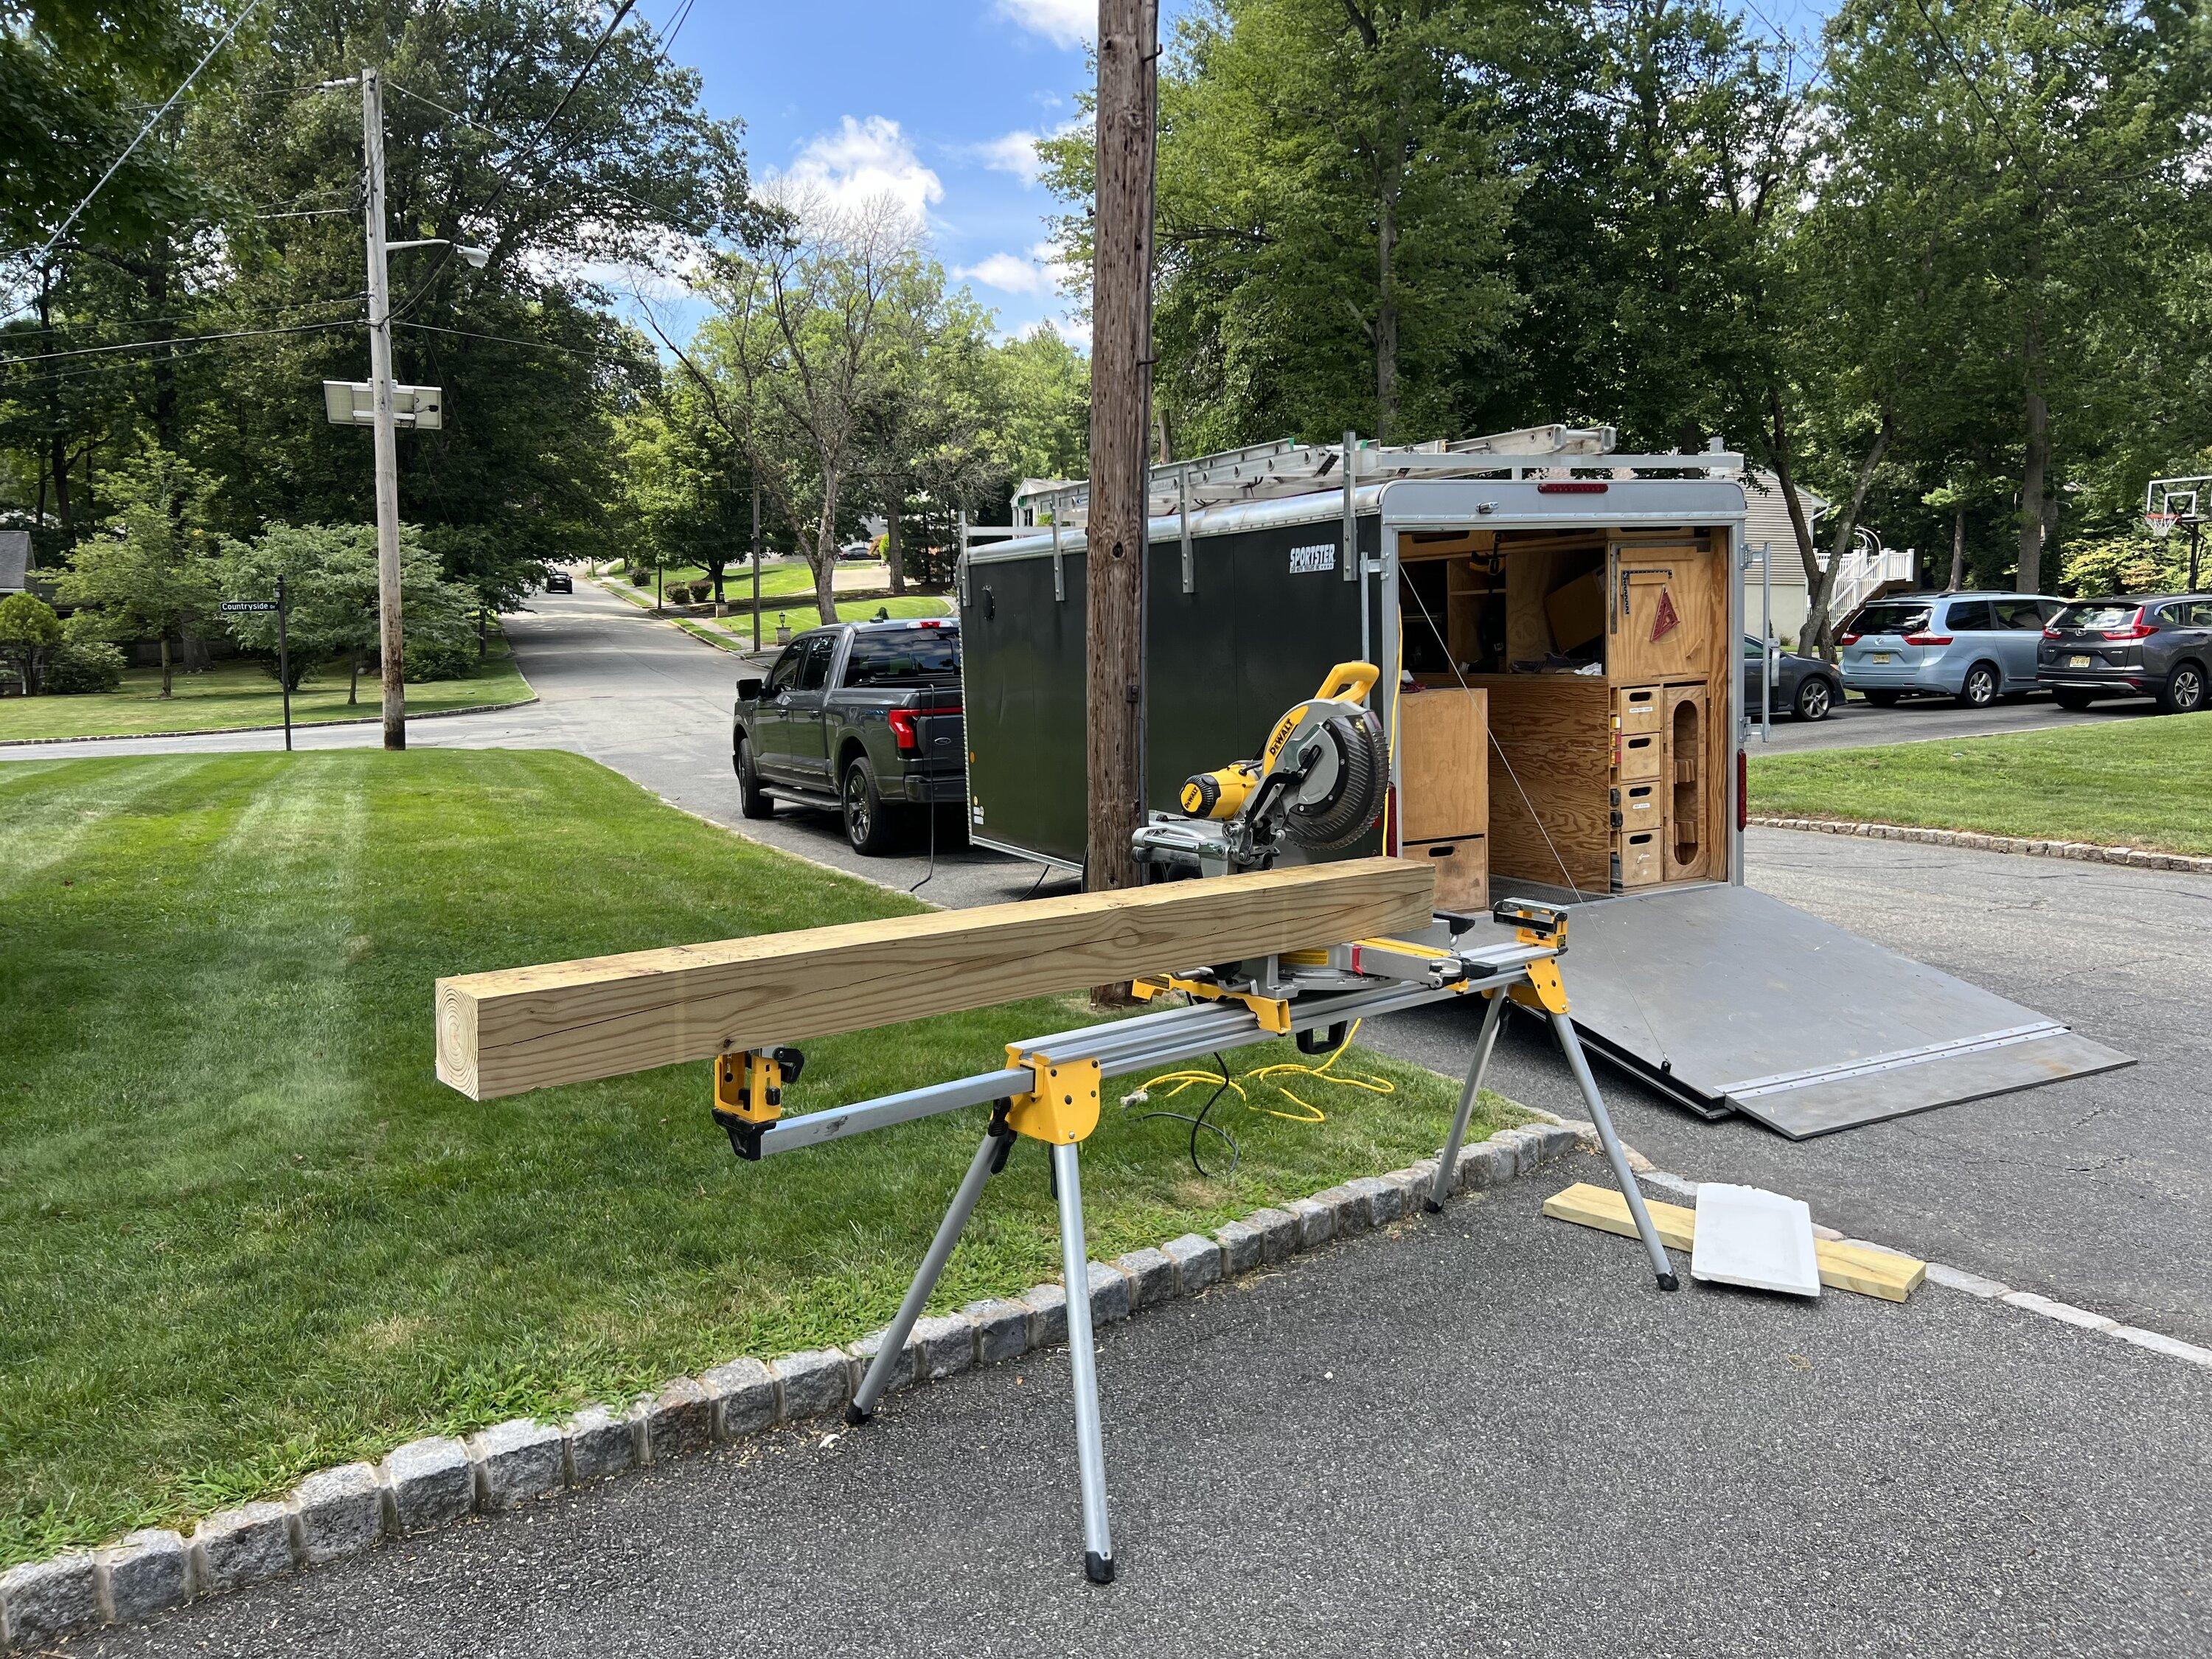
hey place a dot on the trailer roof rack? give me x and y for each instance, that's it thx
(1286, 467)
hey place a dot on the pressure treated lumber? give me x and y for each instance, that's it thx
(501, 1032)
(1843, 1267)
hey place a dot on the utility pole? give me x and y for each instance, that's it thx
(1121, 423)
(389, 644)
(756, 559)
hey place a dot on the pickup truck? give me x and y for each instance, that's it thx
(862, 718)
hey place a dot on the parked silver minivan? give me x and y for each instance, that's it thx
(1974, 648)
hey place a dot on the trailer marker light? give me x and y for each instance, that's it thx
(1571, 487)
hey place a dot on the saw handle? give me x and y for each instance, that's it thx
(1348, 682)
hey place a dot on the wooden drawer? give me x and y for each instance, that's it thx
(1636, 709)
(1640, 859)
(1462, 867)
(1639, 756)
(1638, 806)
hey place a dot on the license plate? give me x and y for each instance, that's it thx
(2077, 662)
(1881, 656)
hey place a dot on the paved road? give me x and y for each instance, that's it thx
(1857, 725)
(1489, 1435)
(2097, 1191)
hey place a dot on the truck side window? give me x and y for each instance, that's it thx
(814, 669)
(786, 672)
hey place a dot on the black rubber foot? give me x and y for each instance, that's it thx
(1432, 1206)
(855, 1416)
(1099, 1569)
(1669, 1282)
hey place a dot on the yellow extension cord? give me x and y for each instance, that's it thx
(1307, 1113)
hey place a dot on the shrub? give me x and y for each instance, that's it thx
(78, 666)
(639, 575)
(440, 660)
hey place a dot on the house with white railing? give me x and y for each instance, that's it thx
(1871, 567)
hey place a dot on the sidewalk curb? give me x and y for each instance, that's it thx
(241, 730)
(2140, 858)
(431, 1484)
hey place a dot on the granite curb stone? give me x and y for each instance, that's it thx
(742, 1394)
(1241, 1246)
(245, 1545)
(811, 1382)
(1110, 1294)
(45, 1600)
(517, 1461)
(1151, 1275)
(426, 1485)
(1002, 1330)
(147, 1572)
(337, 1513)
(676, 1422)
(944, 1346)
(1047, 1306)
(599, 1444)
(1197, 1262)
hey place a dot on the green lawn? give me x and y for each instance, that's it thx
(2136, 783)
(802, 616)
(247, 1235)
(777, 580)
(239, 694)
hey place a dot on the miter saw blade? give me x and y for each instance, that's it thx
(1343, 789)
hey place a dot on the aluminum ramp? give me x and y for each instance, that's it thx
(1728, 1000)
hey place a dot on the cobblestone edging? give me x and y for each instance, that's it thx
(433, 1483)
(2086, 852)
(298, 726)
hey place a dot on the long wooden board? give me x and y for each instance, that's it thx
(501, 1032)
(1843, 1267)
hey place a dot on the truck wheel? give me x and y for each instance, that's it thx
(753, 801)
(2183, 691)
(2072, 698)
(1979, 689)
(867, 822)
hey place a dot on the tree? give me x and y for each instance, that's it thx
(814, 320)
(29, 631)
(152, 575)
(329, 583)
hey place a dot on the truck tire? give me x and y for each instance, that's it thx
(868, 823)
(753, 801)
(2184, 691)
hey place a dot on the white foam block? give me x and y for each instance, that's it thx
(1746, 1236)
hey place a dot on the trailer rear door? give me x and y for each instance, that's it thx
(1729, 1000)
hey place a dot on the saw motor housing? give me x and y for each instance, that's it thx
(1318, 783)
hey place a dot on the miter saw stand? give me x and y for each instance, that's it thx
(1318, 785)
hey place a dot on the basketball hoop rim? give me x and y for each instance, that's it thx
(2161, 524)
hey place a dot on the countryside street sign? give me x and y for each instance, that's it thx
(249, 604)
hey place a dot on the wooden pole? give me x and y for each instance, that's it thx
(1120, 424)
(389, 641)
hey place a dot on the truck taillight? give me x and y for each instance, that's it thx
(903, 731)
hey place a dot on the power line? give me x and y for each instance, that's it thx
(222, 41)
(139, 322)
(182, 339)
(12, 385)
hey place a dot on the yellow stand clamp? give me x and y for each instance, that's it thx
(748, 1093)
(1273, 1013)
(1063, 1107)
(1538, 924)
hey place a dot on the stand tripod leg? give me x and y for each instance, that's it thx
(917, 1295)
(1083, 1366)
(1493, 1017)
(1571, 1047)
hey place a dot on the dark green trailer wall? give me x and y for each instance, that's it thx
(1220, 662)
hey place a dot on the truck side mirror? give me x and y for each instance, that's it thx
(750, 689)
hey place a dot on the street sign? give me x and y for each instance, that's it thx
(229, 605)
(281, 605)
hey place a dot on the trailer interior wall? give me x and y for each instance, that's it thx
(1598, 654)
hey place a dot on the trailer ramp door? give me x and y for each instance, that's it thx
(1728, 1000)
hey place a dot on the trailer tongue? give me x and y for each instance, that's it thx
(1727, 1001)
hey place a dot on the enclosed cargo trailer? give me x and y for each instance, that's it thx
(1558, 627)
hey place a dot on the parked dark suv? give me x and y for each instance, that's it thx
(2152, 646)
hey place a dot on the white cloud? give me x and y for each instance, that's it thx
(1063, 22)
(1015, 153)
(862, 162)
(1038, 272)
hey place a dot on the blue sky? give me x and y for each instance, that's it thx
(936, 104)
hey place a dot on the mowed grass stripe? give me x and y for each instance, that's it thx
(248, 1233)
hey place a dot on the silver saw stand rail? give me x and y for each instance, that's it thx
(1117, 1048)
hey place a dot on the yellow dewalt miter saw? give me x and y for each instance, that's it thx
(1319, 782)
